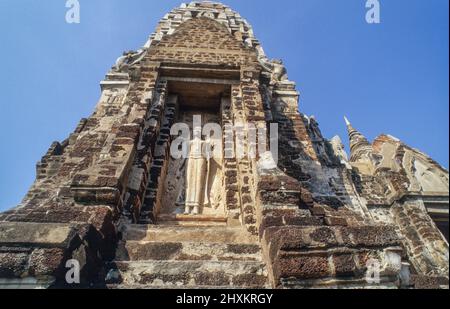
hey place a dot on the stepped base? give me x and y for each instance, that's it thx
(190, 274)
(146, 287)
(25, 283)
(188, 257)
(146, 250)
(170, 233)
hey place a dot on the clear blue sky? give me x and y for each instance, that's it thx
(387, 78)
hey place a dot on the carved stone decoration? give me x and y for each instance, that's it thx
(276, 68)
(195, 180)
(128, 59)
(339, 149)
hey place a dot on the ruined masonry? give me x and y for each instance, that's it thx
(112, 197)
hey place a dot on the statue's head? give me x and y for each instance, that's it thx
(197, 132)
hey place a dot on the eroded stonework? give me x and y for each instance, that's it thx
(112, 197)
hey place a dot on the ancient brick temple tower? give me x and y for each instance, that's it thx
(112, 197)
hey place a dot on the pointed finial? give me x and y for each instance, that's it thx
(359, 145)
(347, 122)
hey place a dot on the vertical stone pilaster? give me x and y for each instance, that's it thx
(139, 174)
(231, 189)
(163, 114)
(248, 111)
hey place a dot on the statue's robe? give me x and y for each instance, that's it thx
(196, 175)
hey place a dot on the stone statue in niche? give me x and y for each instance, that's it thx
(175, 184)
(197, 175)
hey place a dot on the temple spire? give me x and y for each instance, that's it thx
(359, 145)
(347, 122)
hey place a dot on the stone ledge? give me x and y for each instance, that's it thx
(429, 282)
(328, 252)
(349, 264)
(41, 235)
(301, 238)
(39, 250)
(97, 195)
